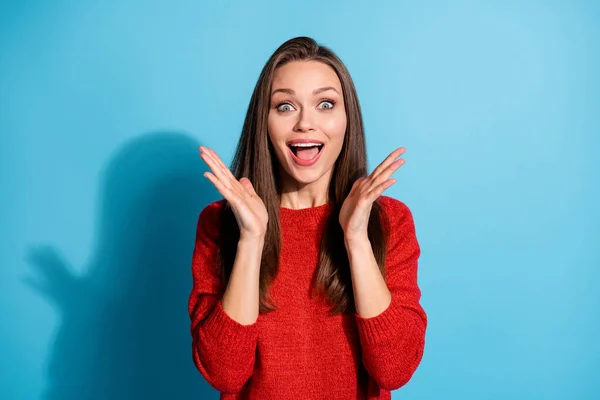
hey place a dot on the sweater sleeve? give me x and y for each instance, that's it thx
(393, 342)
(223, 350)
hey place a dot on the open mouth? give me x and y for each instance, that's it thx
(306, 151)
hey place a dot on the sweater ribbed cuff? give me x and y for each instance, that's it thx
(230, 333)
(381, 328)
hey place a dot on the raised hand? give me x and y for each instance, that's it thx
(248, 208)
(356, 209)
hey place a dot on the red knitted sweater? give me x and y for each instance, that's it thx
(298, 351)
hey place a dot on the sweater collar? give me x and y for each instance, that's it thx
(305, 216)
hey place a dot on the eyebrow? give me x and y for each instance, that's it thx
(316, 91)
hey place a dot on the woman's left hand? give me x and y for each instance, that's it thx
(356, 209)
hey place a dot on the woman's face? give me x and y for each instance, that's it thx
(307, 105)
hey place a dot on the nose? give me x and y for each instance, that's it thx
(305, 122)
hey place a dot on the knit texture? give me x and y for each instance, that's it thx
(299, 351)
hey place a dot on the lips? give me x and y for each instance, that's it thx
(304, 141)
(305, 144)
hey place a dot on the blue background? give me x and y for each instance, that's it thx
(103, 105)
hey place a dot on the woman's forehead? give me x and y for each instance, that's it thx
(305, 77)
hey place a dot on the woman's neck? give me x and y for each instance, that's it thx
(298, 200)
(296, 195)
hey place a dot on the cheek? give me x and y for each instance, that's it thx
(274, 131)
(335, 129)
(277, 129)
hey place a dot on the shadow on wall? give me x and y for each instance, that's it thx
(124, 329)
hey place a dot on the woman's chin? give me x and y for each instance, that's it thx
(307, 176)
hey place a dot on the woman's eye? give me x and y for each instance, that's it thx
(288, 107)
(327, 102)
(282, 105)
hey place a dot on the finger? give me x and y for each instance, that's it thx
(212, 156)
(357, 184)
(220, 162)
(217, 170)
(226, 178)
(378, 190)
(385, 175)
(389, 159)
(224, 190)
(248, 186)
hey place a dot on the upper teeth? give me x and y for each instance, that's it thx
(305, 144)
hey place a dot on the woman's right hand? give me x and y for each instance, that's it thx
(248, 208)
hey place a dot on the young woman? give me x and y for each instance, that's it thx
(305, 275)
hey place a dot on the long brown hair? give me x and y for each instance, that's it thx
(255, 159)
